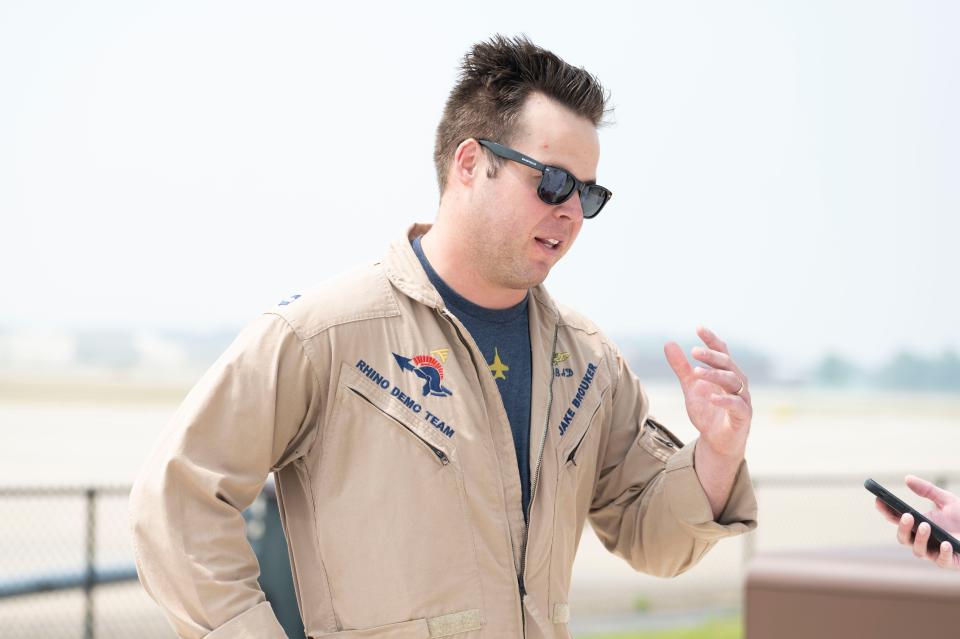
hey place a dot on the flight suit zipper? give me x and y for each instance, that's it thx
(536, 475)
(536, 478)
(448, 316)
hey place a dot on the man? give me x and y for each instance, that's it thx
(439, 429)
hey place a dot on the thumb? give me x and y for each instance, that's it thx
(930, 491)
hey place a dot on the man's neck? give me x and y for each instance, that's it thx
(452, 267)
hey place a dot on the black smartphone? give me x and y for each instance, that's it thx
(937, 534)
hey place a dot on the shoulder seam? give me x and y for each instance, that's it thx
(348, 319)
(387, 294)
(578, 327)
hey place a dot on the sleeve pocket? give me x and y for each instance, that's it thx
(657, 440)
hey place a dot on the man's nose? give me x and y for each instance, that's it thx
(571, 208)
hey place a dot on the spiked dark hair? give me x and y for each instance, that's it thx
(496, 77)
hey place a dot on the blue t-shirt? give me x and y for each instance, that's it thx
(503, 336)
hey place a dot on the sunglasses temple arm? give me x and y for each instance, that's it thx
(510, 154)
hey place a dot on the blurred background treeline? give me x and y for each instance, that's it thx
(180, 354)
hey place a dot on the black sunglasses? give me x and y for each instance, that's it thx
(556, 184)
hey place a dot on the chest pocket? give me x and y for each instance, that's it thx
(574, 445)
(405, 414)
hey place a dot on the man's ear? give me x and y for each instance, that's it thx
(467, 162)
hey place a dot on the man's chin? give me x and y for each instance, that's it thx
(531, 279)
(523, 275)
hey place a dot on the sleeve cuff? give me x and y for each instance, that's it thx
(689, 505)
(258, 622)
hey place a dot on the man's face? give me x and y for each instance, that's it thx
(512, 229)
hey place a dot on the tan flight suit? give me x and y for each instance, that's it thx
(397, 475)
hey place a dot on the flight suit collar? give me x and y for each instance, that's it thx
(406, 273)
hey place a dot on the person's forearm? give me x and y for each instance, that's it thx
(717, 474)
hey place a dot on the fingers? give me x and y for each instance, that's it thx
(945, 556)
(678, 362)
(732, 382)
(727, 380)
(721, 369)
(710, 339)
(930, 491)
(713, 358)
(735, 405)
(920, 540)
(905, 529)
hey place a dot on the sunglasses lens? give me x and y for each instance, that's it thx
(555, 185)
(592, 200)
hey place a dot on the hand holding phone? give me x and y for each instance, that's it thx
(924, 532)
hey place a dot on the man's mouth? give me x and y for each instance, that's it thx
(548, 242)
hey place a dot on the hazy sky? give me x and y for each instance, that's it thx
(785, 172)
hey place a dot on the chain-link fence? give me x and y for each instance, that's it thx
(67, 567)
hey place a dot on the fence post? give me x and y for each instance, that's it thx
(90, 573)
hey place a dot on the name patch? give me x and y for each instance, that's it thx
(577, 400)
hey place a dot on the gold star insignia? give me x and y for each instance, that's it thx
(498, 368)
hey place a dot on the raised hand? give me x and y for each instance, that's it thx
(717, 397)
(719, 406)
